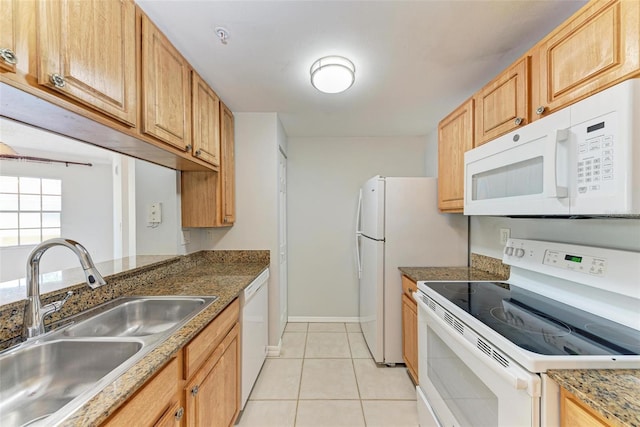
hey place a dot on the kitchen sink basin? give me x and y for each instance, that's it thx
(137, 316)
(40, 379)
(44, 380)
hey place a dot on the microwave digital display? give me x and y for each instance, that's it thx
(595, 127)
(573, 258)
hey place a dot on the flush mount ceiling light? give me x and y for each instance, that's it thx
(332, 74)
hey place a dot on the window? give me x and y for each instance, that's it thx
(30, 210)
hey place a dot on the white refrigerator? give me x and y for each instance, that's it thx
(398, 225)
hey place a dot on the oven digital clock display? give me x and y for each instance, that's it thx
(573, 258)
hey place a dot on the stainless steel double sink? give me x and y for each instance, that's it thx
(44, 380)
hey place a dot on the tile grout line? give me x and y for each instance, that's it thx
(304, 356)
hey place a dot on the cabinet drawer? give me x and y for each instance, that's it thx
(153, 399)
(197, 351)
(409, 287)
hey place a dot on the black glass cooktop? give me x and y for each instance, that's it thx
(539, 324)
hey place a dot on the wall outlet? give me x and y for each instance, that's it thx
(154, 213)
(505, 233)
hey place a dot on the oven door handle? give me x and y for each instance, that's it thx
(508, 373)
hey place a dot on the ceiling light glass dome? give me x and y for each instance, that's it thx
(332, 74)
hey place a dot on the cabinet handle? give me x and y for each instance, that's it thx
(195, 390)
(540, 109)
(198, 152)
(187, 147)
(57, 80)
(8, 56)
(518, 121)
(179, 413)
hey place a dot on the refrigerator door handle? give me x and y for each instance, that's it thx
(358, 234)
(358, 231)
(358, 255)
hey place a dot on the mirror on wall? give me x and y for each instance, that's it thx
(60, 187)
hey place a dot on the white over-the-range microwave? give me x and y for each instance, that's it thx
(583, 160)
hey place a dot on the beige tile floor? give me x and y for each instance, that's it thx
(325, 377)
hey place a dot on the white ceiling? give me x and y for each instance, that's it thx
(415, 60)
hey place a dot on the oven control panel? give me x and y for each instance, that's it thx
(576, 262)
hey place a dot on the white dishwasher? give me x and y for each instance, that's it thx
(255, 330)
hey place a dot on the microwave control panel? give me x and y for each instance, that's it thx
(595, 154)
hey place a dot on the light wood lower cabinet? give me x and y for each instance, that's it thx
(410, 327)
(155, 401)
(199, 387)
(575, 413)
(213, 395)
(455, 136)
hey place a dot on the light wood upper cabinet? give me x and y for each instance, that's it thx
(455, 136)
(208, 198)
(86, 50)
(8, 17)
(597, 48)
(227, 180)
(410, 328)
(166, 89)
(206, 121)
(503, 104)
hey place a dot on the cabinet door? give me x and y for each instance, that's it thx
(151, 403)
(455, 136)
(574, 413)
(595, 49)
(86, 50)
(503, 104)
(410, 336)
(227, 168)
(206, 122)
(8, 18)
(166, 89)
(173, 417)
(213, 396)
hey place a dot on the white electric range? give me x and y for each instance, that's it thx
(485, 347)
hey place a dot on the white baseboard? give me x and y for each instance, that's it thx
(274, 350)
(312, 319)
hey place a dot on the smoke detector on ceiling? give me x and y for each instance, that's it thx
(222, 34)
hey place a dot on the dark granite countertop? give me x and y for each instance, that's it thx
(448, 273)
(201, 274)
(612, 393)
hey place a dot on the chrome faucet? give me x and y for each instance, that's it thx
(34, 312)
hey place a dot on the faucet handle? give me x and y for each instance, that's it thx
(56, 305)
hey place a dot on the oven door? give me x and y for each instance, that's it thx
(525, 172)
(466, 387)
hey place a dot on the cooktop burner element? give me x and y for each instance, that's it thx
(539, 324)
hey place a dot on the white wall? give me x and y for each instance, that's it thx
(431, 154)
(87, 215)
(324, 176)
(609, 232)
(153, 184)
(256, 226)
